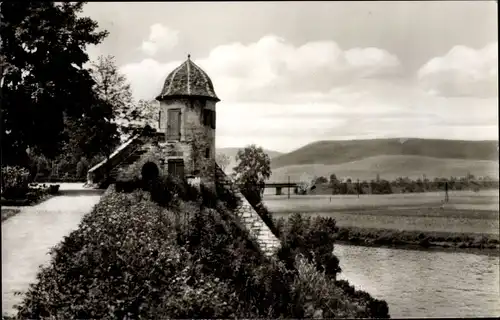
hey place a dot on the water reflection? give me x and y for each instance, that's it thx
(425, 284)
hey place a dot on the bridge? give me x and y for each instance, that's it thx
(280, 185)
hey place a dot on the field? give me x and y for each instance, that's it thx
(466, 211)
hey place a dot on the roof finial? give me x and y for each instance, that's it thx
(189, 56)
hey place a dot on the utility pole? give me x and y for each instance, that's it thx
(358, 188)
(446, 197)
(288, 187)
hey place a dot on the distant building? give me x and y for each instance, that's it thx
(184, 142)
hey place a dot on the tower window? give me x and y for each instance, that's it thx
(209, 118)
(206, 117)
(212, 119)
(174, 124)
(207, 153)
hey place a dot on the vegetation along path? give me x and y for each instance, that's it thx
(28, 236)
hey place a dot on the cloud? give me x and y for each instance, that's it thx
(463, 71)
(146, 78)
(291, 95)
(271, 68)
(160, 39)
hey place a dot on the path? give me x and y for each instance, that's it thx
(28, 236)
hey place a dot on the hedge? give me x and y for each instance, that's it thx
(183, 257)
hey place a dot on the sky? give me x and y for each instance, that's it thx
(291, 73)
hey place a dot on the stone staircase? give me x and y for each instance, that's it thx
(127, 160)
(258, 229)
(127, 152)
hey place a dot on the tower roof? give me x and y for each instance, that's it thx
(188, 80)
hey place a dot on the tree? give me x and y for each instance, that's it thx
(113, 89)
(334, 184)
(306, 183)
(222, 160)
(43, 79)
(149, 112)
(113, 114)
(253, 169)
(81, 168)
(321, 180)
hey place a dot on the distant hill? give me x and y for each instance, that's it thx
(390, 167)
(231, 153)
(338, 152)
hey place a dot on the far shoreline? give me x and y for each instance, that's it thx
(433, 248)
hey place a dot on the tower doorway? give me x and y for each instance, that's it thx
(149, 171)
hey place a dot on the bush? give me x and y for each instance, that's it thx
(132, 258)
(313, 238)
(54, 189)
(15, 182)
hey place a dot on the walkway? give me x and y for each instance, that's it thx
(28, 236)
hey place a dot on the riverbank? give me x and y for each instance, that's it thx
(418, 240)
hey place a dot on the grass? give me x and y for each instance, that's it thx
(417, 239)
(467, 215)
(7, 213)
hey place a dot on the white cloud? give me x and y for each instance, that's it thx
(282, 96)
(463, 71)
(272, 68)
(160, 39)
(146, 78)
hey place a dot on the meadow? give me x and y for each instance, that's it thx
(466, 212)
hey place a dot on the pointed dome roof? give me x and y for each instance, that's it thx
(188, 80)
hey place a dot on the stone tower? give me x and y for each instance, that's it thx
(187, 118)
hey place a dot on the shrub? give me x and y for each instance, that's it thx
(54, 189)
(132, 258)
(14, 182)
(312, 238)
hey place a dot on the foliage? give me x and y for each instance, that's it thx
(318, 294)
(132, 258)
(198, 143)
(148, 112)
(253, 169)
(14, 178)
(17, 191)
(81, 168)
(314, 238)
(112, 88)
(406, 185)
(306, 184)
(44, 82)
(222, 160)
(389, 237)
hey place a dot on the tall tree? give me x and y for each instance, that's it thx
(43, 79)
(113, 89)
(253, 169)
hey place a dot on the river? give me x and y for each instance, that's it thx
(418, 283)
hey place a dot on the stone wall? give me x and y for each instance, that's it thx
(251, 220)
